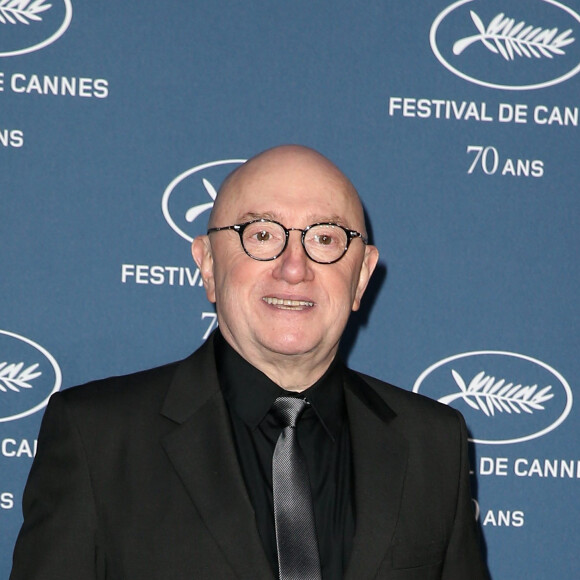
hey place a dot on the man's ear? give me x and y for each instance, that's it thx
(370, 260)
(201, 251)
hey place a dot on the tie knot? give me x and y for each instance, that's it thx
(287, 410)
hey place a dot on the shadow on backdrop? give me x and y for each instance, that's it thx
(360, 318)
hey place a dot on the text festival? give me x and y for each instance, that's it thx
(474, 111)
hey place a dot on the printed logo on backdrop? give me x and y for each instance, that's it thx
(505, 397)
(29, 374)
(191, 195)
(30, 25)
(508, 44)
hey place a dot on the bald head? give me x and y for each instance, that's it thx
(289, 167)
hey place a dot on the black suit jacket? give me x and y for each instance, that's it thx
(136, 478)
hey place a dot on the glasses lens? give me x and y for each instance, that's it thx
(263, 240)
(325, 242)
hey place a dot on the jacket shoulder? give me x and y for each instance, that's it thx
(411, 411)
(397, 396)
(112, 391)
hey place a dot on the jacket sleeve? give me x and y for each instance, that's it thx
(58, 539)
(463, 559)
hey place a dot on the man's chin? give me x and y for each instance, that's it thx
(292, 345)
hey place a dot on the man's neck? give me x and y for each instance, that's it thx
(291, 372)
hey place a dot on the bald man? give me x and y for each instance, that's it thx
(168, 473)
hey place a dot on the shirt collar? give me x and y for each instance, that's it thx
(250, 393)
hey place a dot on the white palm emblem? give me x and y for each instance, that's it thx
(486, 394)
(503, 36)
(194, 212)
(14, 376)
(23, 11)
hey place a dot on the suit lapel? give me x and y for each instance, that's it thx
(380, 455)
(202, 451)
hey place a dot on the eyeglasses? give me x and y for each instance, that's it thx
(264, 240)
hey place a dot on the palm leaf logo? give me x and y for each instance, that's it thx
(489, 395)
(14, 376)
(194, 212)
(21, 11)
(503, 36)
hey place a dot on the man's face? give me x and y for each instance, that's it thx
(290, 306)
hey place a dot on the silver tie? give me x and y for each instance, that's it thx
(296, 540)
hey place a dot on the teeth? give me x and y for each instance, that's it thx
(287, 303)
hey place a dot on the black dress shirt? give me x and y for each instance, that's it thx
(323, 435)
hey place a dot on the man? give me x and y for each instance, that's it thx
(169, 473)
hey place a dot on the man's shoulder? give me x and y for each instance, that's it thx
(173, 390)
(406, 405)
(425, 423)
(138, 389)
(125, 395)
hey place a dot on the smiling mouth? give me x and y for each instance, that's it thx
(286, 304)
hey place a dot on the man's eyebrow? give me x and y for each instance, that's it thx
(249, 216)
(312, 219)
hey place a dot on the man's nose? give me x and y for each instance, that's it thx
(294, 266)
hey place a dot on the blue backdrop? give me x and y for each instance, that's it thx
(457, 122)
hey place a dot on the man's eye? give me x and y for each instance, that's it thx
(263, 236)
(324, 239)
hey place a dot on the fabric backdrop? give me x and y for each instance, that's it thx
(457, 122)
